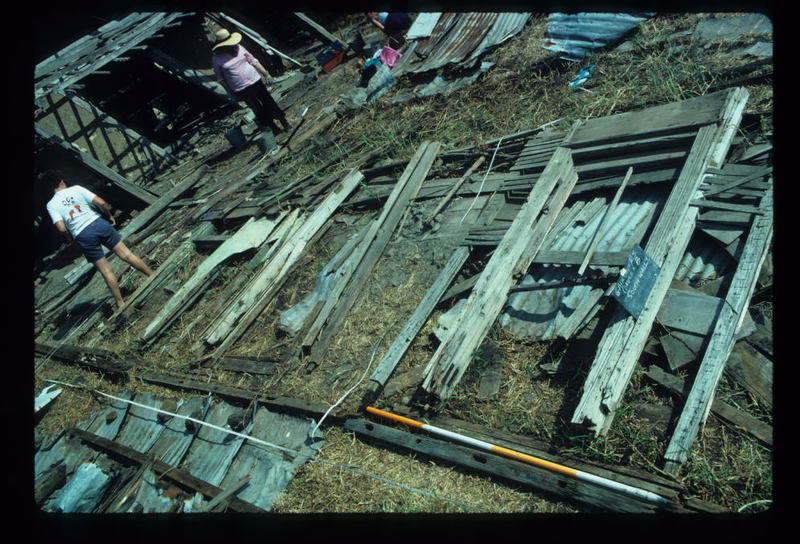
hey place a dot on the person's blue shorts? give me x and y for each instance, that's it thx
(98, 232)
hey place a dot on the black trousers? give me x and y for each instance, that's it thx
(258, 99)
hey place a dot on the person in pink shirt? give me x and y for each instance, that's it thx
(240, 73)
(74, 211)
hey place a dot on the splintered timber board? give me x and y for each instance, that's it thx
(720, 345)
(624, 339)
(515, 252)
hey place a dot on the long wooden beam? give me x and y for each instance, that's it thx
(512, 257)
(720, 345)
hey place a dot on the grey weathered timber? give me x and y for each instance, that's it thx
(507, 469)
(138, 193)
(320, 29)
(252, 234)
(752, 370)
(717, 189)
(97, 56)
(457, 185)
(730, 117)
(265, 284)
(163, 272)
(48, 481)
(190, 75)
(403, 340)
(675, 116)
(598, 234)
(717, 205)
(296, 318)
(256, 37)
(625, 337)
(722, 339)
(512, 257)
(143, 217)
(376, 240)
(733, 416)
(166, 471)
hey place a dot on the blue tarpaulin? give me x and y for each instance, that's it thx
(576, 34)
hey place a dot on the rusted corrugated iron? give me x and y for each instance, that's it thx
(457, 42)
(576, 34)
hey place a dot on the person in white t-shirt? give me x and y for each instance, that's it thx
(74, 211)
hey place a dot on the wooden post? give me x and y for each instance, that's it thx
(732, 313)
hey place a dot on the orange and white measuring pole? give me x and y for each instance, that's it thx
(531, 460)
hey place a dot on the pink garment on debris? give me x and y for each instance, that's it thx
(389, 56)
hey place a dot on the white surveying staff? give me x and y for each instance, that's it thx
(542, 463)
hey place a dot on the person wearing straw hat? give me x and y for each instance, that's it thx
(240, 72)
(74, 211)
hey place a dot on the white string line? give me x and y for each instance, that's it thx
(489, 169)
(296, 453)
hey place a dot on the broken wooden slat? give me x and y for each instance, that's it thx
(403, 340)
(757, 428)
(624, 339)
(47, 482)
(721, 342)
(266, 282)
(752, 370)
(190, 75)
(256, 37)
(513, 256)
(457, 185)
(370, 250)
(252, 234)
(296, 318)
(134, 191)
(177, 475)
(606, 218)
(717, 205)
(320, 29)
(674, 116)
(736, 183)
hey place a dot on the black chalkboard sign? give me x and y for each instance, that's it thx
(636, 281)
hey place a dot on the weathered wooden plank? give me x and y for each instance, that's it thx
(48, 481)
(252, 234)
(375, 242)
(674, 116)
(296, 318)
(561, 486)
(263, 287)
(721, 342)
(134, 191)
(717, 205)
(625, 337)
(403, 340)
(604, 223)
(752, 370)
(190, 75)
(457, 185)
(739, 419)
(166, 471)
(320, 30)
(513, 256)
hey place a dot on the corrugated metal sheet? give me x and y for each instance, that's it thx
(175, 439)
(576, 34)
(457, 42)
(550, 313)
(704, 260)
(270, 470)
(141, 428)
(505, 26)
(423, 25)
(213, 451)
